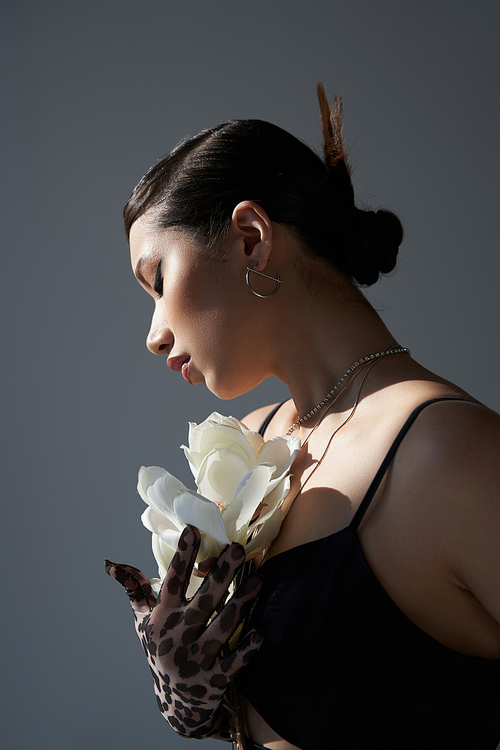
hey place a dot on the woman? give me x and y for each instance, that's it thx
(379, 601)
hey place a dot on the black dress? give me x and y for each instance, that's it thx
(342, 667)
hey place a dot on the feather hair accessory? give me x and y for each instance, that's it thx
(331, 123)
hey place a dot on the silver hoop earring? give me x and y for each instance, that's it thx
(263, 296)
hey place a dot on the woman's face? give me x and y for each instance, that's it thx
(202, 321)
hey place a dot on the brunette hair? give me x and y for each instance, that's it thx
(197, 186)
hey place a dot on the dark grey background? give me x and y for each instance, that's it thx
(92, 94)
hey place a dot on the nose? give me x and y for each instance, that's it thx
(160, 338)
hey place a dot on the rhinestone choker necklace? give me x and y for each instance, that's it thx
(394, 350)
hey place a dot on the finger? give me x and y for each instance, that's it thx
(137, 586)
(197, 612)
(223, 626)
(206, 566)
(239, 657)
(216, 583)
(179, 572)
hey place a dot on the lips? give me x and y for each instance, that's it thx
(180, 364)
(185, 371)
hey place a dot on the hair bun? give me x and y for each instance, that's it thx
(377, 237)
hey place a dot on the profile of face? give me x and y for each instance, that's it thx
(204, 320)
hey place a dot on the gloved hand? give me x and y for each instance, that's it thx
(183, 650)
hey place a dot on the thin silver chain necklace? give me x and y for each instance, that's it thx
(364, 360)
(325, 450)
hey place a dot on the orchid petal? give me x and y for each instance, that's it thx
(195, 510)
(280, 451)
(163, 554)
(147, 477)
(158, 522)
(194, 459)
(196, 430)
(216, 418)
(274, 500)
(171, 538)
(220, 475)
(238, 514)
(155, 584)
(161, 494)
(206, 547)
(240, 479)
(256, 441)
(218, 435)
(266, 535)
(193, 586)
(209, 548)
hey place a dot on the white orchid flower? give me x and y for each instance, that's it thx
(241, 481)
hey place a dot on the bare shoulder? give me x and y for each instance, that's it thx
(449, 463)
(279, 424)
(254, 420)
(455, 436)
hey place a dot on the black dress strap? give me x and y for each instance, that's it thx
(390, 455)
(266, 421)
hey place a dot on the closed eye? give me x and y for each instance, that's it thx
(158, 285)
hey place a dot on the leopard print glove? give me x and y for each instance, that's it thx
(183, 649)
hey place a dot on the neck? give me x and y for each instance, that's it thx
(320, 339)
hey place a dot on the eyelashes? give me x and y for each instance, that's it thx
(158, 285)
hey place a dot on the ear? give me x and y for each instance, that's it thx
(253, 228)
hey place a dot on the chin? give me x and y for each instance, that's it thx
(227, 391)
(226, 394)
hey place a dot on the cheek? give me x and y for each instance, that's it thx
(231, 364)
(216, 333)
(214, 308)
